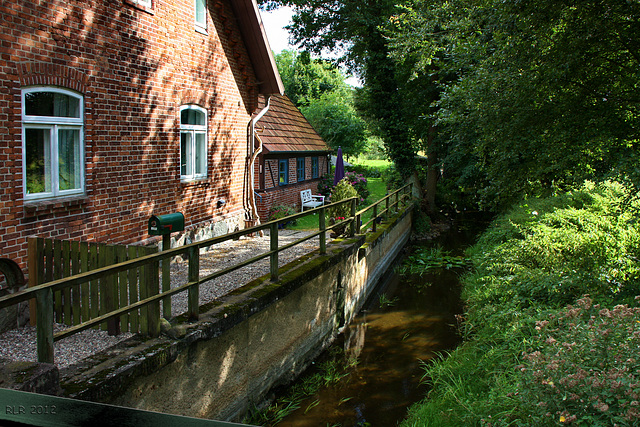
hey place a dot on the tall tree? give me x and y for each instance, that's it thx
(547, 93)
(338, 123)
(306, 79)
(320, 90)
(354, 29)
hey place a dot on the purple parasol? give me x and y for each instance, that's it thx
(339, 167)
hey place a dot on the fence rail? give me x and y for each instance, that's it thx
(148, 267)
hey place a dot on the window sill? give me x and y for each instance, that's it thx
(34, 207)
(195, 182)
(139, 6)
(201, 30)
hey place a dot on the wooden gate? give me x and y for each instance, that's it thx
(50, 259)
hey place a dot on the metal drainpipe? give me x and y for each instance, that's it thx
(254, 136)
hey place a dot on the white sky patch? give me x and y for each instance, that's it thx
(274, 23)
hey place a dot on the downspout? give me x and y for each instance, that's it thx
(254, 136)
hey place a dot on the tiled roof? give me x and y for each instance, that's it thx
(286, 129)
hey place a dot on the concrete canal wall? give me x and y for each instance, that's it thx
(260, 336)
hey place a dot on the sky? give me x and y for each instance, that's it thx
(274, 23)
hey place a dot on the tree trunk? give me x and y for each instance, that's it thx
(432, 173)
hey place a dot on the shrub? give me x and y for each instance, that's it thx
(280, 211)
(536, 351)
(325, 185)
(357, 180)
(394, 179)
(583, 367)
(342, 190)
(367, 171)
(359, 183)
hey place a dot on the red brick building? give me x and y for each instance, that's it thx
(292, 156)
(116, 110)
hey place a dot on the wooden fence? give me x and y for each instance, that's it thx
(50, 260)
(145, 269)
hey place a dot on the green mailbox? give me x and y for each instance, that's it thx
(161, 225)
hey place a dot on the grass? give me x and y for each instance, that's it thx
(377, 188)
(385, 301)
(380, 164)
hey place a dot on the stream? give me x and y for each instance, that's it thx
(405, 323)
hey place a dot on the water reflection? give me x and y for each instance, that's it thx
(354, 339)
(391, 342)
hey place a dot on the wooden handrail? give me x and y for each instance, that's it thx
(43, 293)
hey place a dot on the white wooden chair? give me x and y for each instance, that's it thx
(310, 200)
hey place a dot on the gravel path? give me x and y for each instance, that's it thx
(20, 344)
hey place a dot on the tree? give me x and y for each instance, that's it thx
(338, 123)
(354, 28)
(306, 79)
(319, 89)
(546, 93)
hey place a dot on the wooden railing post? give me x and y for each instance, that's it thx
(322, 225)
(386, 207)
(193, 311)
(375, 217)
(273, 236)
(153, 309)
(405, 199)
(44, 325)
(166, 277)
(353, 227)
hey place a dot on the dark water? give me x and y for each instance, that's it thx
(391, 343)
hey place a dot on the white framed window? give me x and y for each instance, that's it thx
(200, 15)
(193, 142)
(144, 3)
(52, 143)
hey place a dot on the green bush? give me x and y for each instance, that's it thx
(582, 367)
(394, 179)
(536, 351)
(364, 170)
(342, 190)
(325, 185)
(359, 183)
(280, 211)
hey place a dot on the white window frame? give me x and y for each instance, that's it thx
(193, 130)
(200, 26)
(54, 125)
(147, 4)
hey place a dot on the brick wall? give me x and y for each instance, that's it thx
(135, 68)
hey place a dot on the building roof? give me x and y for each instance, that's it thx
(285, 129)
(255, 37)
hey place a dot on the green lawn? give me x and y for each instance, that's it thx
(380, 164)
(378, 190)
